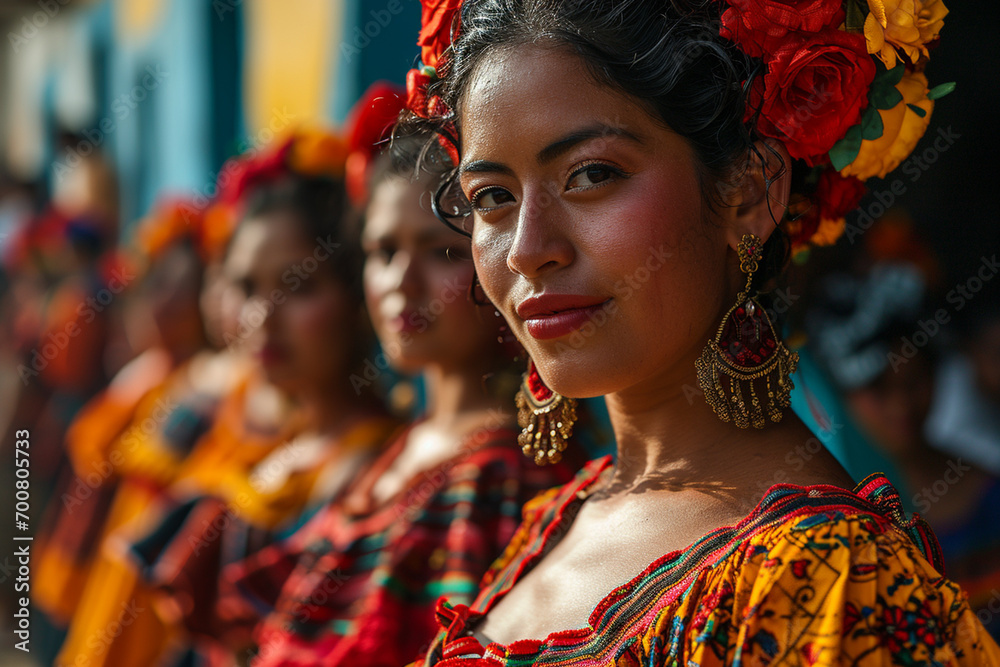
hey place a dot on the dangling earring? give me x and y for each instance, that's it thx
(545, 417)
(746, 348)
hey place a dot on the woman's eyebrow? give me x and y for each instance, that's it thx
(560, 146)
(484, 166)
(553, 150)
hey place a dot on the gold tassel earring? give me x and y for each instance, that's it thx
(545, 417)
(746, 348)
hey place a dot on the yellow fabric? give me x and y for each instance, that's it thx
(268, 508)
(61, 573)
(147, 466)
(839, 592)
(813, 576)
(115, 625)
(221, 464)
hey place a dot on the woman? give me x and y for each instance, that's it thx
(624, 164)
(296, 432)
(130, 444)
(357, 585)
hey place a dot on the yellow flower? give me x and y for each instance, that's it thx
(903, 24)
(319, 153)
(828, 231)
(902, 128)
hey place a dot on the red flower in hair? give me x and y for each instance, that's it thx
(837, 195)
(437, 18)
(416, 91)
(760, 27)
(247, 171)
(815, 88)
(369, 123)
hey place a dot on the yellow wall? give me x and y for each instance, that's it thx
(289, 50)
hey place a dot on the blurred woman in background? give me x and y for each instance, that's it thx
(288, 428)
(357, 585)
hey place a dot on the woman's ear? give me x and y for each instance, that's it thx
(761, 197)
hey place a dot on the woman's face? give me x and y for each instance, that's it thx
(295, 318)
(417, 276)
(589, 231)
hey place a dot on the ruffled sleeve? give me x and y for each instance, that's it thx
(821, 590)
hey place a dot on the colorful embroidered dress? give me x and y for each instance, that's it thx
(357, 585)
(813, 576)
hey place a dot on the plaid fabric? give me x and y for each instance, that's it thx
(357, 585)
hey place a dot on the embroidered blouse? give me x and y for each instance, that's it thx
(813, 575)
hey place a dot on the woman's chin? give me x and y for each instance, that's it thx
(575, 380)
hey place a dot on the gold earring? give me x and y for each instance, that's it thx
(746, 348)
(545, 417)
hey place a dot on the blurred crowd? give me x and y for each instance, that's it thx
(274, 426)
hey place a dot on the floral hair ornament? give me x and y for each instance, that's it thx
(172, 220)
(306, 152)
(843, 90)
(368, 126)
(439, 27)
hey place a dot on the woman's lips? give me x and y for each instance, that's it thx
(552, 316)
(271, 354)
(409, 321)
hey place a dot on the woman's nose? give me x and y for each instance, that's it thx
(257, 312)
(405, 273)
(540, 244)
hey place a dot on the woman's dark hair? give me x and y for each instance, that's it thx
(666, 54)
(410, 156)
(317, 204)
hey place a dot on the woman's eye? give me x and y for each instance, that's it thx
(488, 199)
(245, 286)
(381, 254)
(591, 175)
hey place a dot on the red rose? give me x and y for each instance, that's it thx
(416, 92)
(815, 88)
(837, 195)
(760, 27)
(436, 19)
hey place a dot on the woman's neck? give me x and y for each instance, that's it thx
(328, 410)
(456, 393)
(667, 433)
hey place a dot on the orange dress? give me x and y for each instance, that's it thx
(68, 549)
(113, 623)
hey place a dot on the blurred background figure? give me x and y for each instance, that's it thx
(112, 477)
(357, 584)
(279, 442)
(966, 419)
(888, 347)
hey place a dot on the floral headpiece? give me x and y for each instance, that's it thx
(843, 89)
(171, 220)
(306, 152)
(439, 27)
(368, 126)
